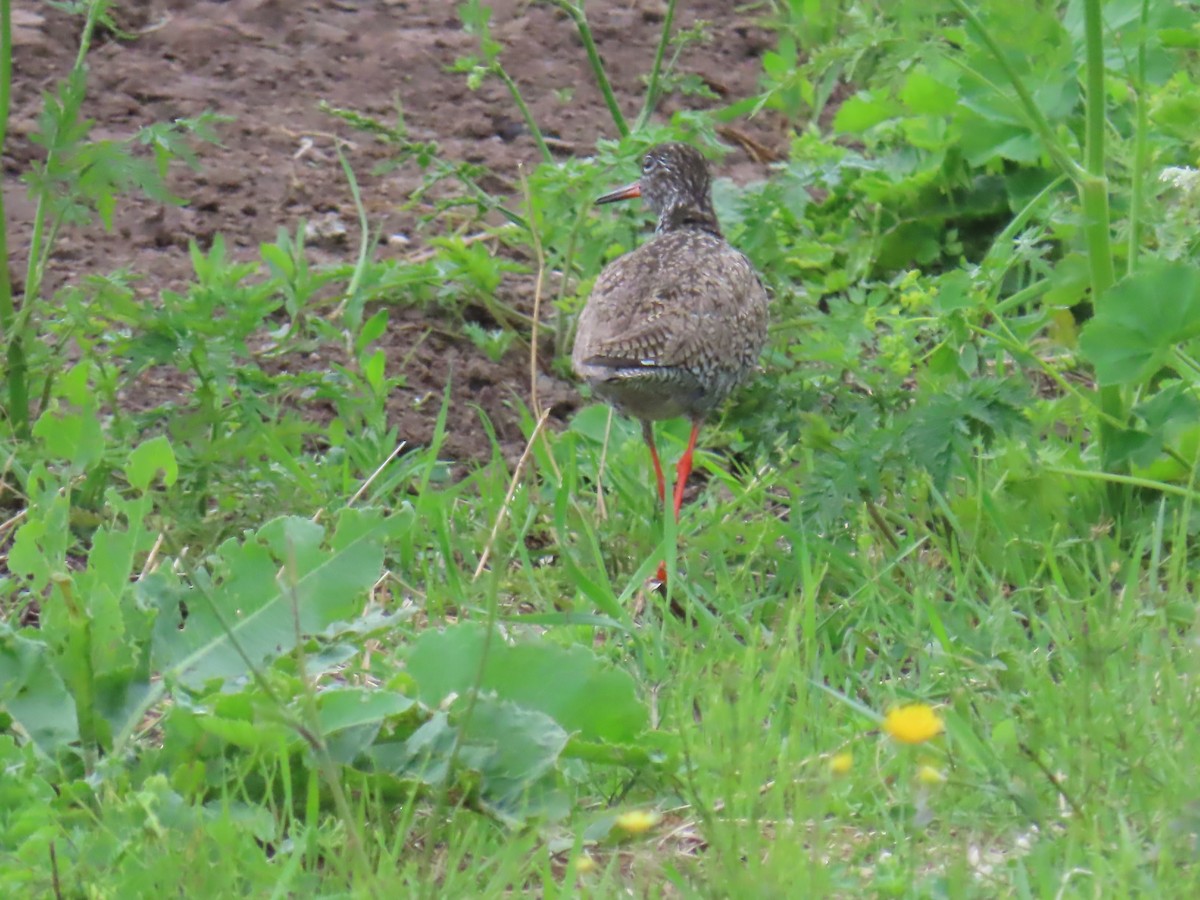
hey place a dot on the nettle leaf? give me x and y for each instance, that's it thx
(285, 582)
(576, 688)
(950, 425)
(1141, 320)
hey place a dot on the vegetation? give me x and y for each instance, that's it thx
(938, 633)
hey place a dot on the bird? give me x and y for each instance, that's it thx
(672, 327)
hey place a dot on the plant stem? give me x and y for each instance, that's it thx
(575, 11)
(7, 310)
(652, 88)
(18, 388)
(1090, 180)
(39, 247)
(1094, 187)
(526, 113)
(1140, 148)
(351, 305)
(1149, 484)
(1097, 232)
(562, 321)
(40, 244)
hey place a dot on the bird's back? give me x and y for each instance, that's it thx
(673, 326)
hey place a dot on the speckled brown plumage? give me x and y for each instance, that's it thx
(672, 327)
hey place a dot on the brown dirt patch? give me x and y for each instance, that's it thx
(267, 64)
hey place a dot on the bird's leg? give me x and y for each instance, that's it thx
(648, 434)
(684, 469)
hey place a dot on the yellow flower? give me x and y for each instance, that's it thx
(585, 865)
(841, 763)
(930, 775)
(637, 821)
(913, 724)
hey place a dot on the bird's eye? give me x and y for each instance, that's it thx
(649, 164)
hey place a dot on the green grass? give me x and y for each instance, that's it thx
(247, 651)
(1063, 662)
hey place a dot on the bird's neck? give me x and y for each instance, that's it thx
(690, 216)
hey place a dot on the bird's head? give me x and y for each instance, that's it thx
(676, 186)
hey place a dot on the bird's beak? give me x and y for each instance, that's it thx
(626, 193)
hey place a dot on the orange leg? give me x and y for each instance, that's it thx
(684, 469)
(648, 434)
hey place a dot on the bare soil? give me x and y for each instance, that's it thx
(268, 63)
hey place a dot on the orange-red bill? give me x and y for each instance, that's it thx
(626, 193)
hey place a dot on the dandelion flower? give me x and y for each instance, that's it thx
(913, 724)
(841, 764)
(637, 821)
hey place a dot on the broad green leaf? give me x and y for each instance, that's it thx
(1138, 447)
(1173, 402)
(282, 583)
(249, 735)
(33, 694)
(985, 141)
(510, 751)
(1187, 445)
(925, 95)
(515, 747)
(572, 685)
(148, 459)
(40, 546)
(1069, 281)
(75, 436)
(424, 757)
(344, 708)
(862, 111)
(1141, 319)
(592, 422)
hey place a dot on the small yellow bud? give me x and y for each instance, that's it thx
(637, 821)
(585, 865)
(841, 763)
(930, 775)
(913, 724)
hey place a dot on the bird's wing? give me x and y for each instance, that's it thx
(644, 315)
(634, 340)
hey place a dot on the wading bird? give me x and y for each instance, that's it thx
(672, 327)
